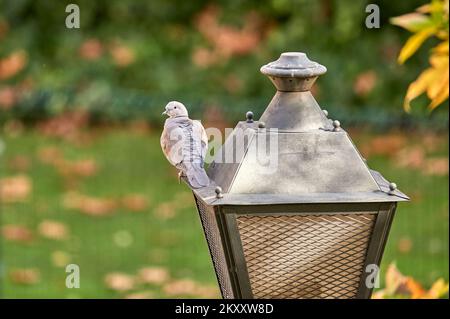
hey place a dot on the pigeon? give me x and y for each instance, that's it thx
(184, 143)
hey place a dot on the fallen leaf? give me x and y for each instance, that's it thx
(17, 233)
(135, 202)
(432, 142)
(85, 168)
(405, 245)
(411, 157)
(12, 64)
(122, 55)
(207, 292)
(153, 275)
(15, 189)
(49, 155)
(19, 163)
(226, 40)
(8, 97)
(141, 295)
(365, 83)
(25, 276)
(182, 287)
(188, 287)
(203, 57)
(91, 49)
(119, 281)
(67, 125)
(89, 205)
(53, 230)
(60, 258)
(166, 210)
(436, 166)
(387, 145)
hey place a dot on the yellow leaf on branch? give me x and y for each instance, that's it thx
(414, 43)
(418, 87)
(413, 22)
(429, 20)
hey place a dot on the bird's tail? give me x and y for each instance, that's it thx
(196, 175)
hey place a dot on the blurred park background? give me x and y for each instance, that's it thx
(82, 176)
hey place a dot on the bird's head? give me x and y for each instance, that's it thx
(175, 109)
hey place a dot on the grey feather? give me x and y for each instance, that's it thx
(184, 143)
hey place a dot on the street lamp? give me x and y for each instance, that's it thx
(310, 225)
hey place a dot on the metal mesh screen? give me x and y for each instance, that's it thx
(305, 256)
(215, 247)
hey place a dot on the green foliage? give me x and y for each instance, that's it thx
(169, 51)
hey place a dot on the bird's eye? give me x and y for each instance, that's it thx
(175, 107)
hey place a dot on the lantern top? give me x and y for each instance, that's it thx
(293, 72)
(315, 162)
(293, 64)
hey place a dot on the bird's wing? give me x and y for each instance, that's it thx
(200, 133)
(172, 143)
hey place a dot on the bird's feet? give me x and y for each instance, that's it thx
(180, 175)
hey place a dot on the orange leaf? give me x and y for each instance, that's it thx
(15, 188)
(153, 275)
(119, 281)
(13, 64)
(25, 276)
(394, 279)
(415, 288)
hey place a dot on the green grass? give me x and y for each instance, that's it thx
(133, 163)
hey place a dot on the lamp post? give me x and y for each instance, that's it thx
(309, 227)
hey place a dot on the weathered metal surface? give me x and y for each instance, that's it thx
(327, 212)
(230, 155)
(293, 71)
(295, 111)
(313, 162)
(319, 198)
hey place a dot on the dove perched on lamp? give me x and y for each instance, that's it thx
(184, 143)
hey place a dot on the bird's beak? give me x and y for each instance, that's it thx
(164, 113)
